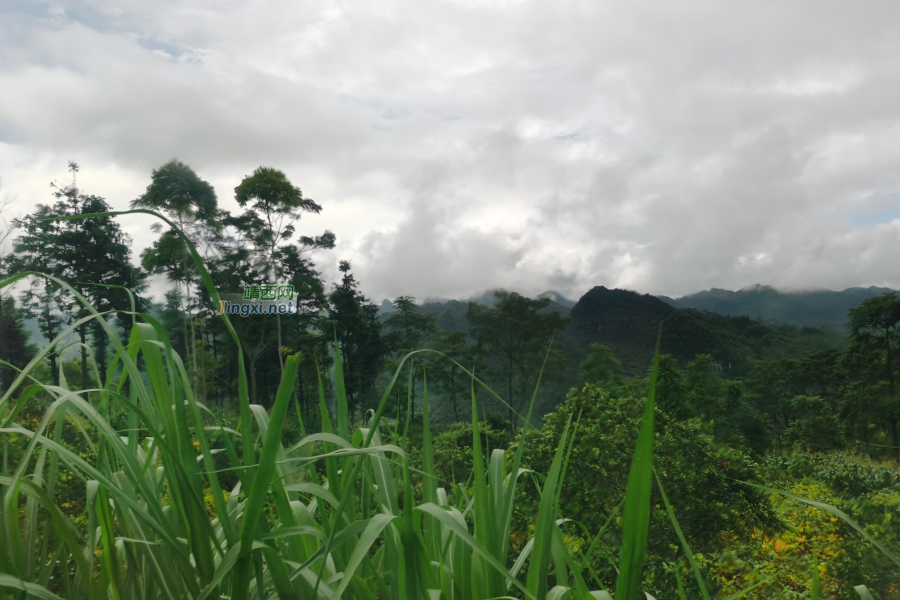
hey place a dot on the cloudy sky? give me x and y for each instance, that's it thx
(665, 147)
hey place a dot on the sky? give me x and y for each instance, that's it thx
(456, 146)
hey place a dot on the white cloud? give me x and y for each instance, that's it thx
(457, 146)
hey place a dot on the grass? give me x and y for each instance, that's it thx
(333, 516)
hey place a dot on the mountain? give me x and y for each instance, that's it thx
(628, 323)
(557, 297)
(821, 308)
(451, 315)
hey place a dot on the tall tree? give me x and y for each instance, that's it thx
(449, 377)
(14, 346)
(177, 192)
(516, 335)
(600, 365)
(90, 254)
(874, 327)
(355, 322)
(43, 300)
(407, 329)
(258, 249)
(275, 205)
(13, 336)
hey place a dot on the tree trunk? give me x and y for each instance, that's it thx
(54, 368)
(453, 392)
(509, 397)
(100, 349)
(84, 372)
(280, 358)
(217, 388)
(890, 369)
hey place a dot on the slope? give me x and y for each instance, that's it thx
(628, 323)
(823, 308)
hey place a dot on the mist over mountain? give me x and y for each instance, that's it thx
(818, 308)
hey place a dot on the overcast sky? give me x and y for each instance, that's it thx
(665, 147)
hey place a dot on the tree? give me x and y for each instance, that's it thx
(275, 206)
(407, 329)
(177, 192)
(14, 346)
(91, 254)
(256, 248)
(874, 327)
(706, 387)
(407, 326)
(671, 389)
(43, 300)
(600, 365)
(355, 322)
(875, 324)
(515, 335)
(448, 374)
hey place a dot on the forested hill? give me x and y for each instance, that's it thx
(804, 309)
(451, 314)
(628, 322)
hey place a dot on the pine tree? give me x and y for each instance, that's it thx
(355, 322)
(90, 254)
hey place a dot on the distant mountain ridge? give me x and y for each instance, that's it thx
(628, 323)
(819, 308)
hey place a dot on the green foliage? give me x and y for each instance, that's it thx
(94, 255)
(514, 336)
(145, 489)
(407, 327)
(354, 320)
(15, 351)
(176, 190)
(628, 323)
(600, 365)
(701, 477)
(819, 309)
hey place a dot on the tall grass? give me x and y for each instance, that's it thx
(336, 515)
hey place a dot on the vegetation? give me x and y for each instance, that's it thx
(437, 451)
(821, 308)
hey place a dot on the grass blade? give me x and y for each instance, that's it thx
(636, 513)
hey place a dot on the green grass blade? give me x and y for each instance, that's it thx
(266, 469)
(546, 522)
(684, 544)
(636, 514)
(343, 412)
(29, 589)
(485, 585)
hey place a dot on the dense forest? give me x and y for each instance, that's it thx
(756, 419)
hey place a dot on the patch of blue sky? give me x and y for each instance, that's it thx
(573, 135)
(870, 220)
(35, 9)
(874, 209)
(159, 46)
(82, 13)
(9, 134)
